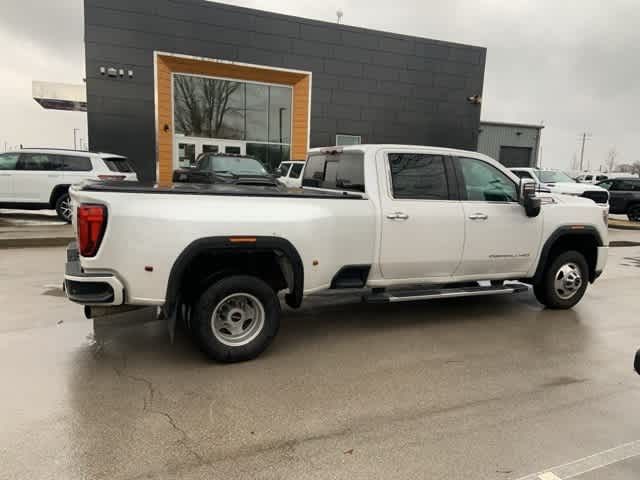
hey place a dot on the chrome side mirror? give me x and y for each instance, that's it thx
(528, 199)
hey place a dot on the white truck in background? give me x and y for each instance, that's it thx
(375, 217)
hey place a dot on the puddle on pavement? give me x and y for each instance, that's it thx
(631, 262)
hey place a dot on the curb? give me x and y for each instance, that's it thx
(35, 242)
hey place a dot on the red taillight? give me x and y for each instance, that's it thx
(91, 223)
(112, 177)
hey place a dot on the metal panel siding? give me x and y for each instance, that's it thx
(354, 71)
(492, 137)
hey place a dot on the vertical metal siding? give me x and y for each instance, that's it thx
(492, 137)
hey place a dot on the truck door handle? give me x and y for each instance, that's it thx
(397, 216)
(5, 174)
(53, 175)
(478, 216)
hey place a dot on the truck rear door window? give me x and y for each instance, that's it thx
(418, 176)
(336, 171)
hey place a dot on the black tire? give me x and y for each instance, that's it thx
(63, 207)
(218, 294)
(547, 293)
(634, 213)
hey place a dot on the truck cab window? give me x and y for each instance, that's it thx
(418, 176)
(484, 182)
(336, 171)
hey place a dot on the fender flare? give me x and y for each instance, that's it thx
(561, 232)
(55, 193)
(262, 243)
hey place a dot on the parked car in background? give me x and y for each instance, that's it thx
(556, 181)
(39, 178)
(599, 177)
(290, 173)
(225, 168)
(624, 196)
(367, 216)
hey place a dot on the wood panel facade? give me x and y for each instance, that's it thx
(167, 64)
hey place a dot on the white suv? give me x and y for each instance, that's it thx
(556, 181)
(39, 179)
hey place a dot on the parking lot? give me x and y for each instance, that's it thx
(482, 388)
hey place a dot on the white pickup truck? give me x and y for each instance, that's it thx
(404, 222)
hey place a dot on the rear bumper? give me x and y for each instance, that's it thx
(90, 288)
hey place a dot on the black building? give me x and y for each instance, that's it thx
(168, 79)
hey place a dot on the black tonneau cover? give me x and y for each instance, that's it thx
(214, 189)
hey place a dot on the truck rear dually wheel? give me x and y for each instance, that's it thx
(236, 318)
(564, 281)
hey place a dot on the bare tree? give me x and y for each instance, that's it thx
(203, 104)
(188, 113)
(217, 97)
(610, 163)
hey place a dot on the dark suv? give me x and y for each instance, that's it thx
(225, 168)
(624, 196)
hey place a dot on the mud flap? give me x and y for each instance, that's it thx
(172, 320)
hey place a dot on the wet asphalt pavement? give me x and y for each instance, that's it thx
(481, 388)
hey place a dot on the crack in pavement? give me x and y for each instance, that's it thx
(148, 406)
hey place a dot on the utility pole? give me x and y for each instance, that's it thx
(75, 141)
(585, 137)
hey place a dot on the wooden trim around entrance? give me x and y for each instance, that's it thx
(168, 64)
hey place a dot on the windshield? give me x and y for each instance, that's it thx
(233, 165)
(553, 176)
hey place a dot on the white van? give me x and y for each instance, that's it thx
(39, 179)
(290, 173)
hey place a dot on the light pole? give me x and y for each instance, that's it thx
(75, 141)
(585, 137)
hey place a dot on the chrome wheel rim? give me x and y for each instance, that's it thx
(568, 280)
(237, 319)
(65, 208)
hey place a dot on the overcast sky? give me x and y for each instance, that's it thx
(573, 65)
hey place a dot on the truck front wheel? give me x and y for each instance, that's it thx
(564, 281)
(236, 318)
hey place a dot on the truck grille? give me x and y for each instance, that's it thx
(597, 196)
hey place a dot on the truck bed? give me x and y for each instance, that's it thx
(214, 189)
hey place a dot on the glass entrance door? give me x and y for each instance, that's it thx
(186, 150)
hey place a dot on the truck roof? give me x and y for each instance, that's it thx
(387, 146)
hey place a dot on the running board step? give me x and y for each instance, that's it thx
(431, 294)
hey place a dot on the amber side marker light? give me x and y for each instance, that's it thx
(242, 239)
